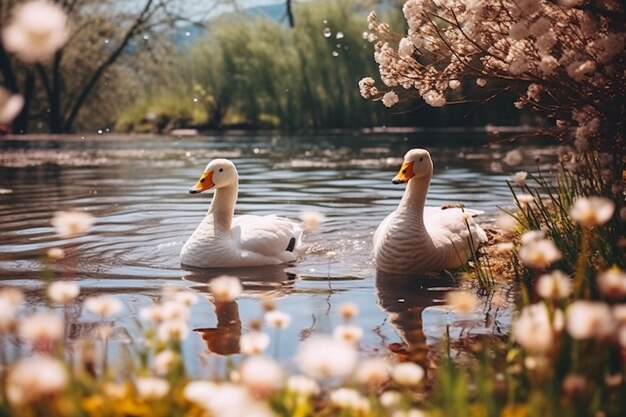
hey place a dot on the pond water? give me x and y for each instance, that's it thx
(137, 190)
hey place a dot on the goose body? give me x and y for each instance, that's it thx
(223, 240)
(416, 239)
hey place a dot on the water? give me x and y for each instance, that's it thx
(137, 190)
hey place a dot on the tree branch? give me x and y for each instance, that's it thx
(97, 74)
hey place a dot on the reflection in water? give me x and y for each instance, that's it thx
(137, 190)
(224, 338)
(404, 299)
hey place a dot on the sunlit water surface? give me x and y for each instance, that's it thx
(137, 190)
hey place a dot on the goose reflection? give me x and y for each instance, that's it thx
(404, 299)
(272, 281)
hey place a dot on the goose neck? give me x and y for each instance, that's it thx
(222, 207)
(414, 198)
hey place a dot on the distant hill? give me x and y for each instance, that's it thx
(186, 35)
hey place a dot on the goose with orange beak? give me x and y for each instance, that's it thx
(417, 239)
(223, 240)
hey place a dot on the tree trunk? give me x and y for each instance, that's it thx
(20, 124)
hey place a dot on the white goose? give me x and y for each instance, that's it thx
(225, 240)
(416, 239)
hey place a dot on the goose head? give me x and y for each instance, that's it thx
(219, 173)
(417, 164)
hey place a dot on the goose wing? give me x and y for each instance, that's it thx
(266, 235)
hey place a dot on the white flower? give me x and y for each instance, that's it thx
(174, 311)
(225, 288)
(390, 399)
(151, 388)
(63, 292)
(589, 319)
(323, 357)
(481, 82)
(36, 31)
(525, 199)
(262, 376)
(454, 84)
(520, 178)
(405, 47)
(513, 158)
(165, 361)
(7, 316)
(173, 330)
(152, 313)
(348, 311)
(56, 254)
(548, 64)
(506, 222)
(612, 283)
(462, 302)
(199, 392)
(434, 98)
(535, 331)
(277, 319)
(186, 298)
(407, 374)
(413, 412)
(348, 334)
(10, 105)
(591, 211)
(103, 305)
(302, 386)
(230, 400)
(532, 236)
(41, 328)
(331, 254)
(13, 297)
(373, 372)
(35, 377)
(390, 98)
(555, 285)
(540, 254)
(311, 219)
(350, 399)
(253, 343)
(578, 69)
(72, 223)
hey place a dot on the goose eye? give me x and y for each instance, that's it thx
(421, 159)
(221, 169)
(404, 171)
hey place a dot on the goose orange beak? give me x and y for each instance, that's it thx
(404, 174)
(204, 183)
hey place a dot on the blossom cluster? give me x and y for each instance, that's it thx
(563, 59)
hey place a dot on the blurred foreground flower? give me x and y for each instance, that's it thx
(536, 330)
(103, 305)
(253, 343)
(36, 31)
(34, 378)
(589, 319)
(311, 219)
(407, 374)
(555, 285)
(41, 328)
(324, 357)
(262, 376)
(277, 319)
(63, 292)
(151, 388)
(225, 288)
(592, 211)
(539, 253)
(72, 223)
(462, 302)
(10, 105)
